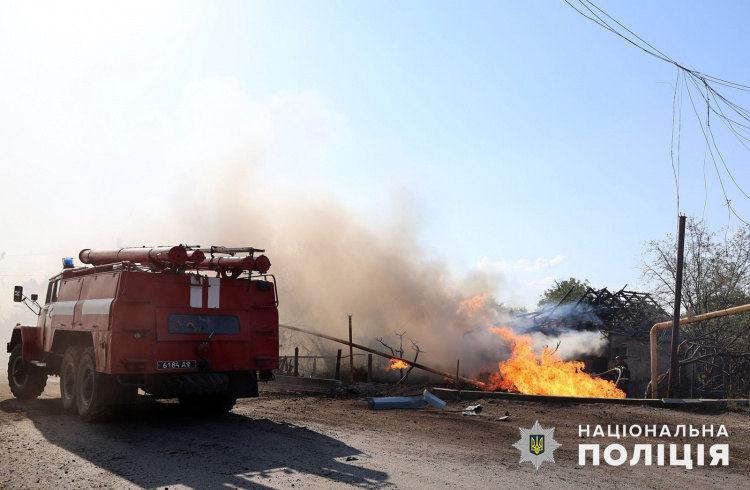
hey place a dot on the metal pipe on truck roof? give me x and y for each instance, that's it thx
(156, 255)
(196, 257)
(244, 263)
(262, 264)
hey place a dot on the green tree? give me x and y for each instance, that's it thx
(561, 288)
(494, 304)
(716, 276)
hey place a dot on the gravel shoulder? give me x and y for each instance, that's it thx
(294, 438)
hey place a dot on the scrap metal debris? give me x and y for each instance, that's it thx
(391, 402)
(433, 400)
(506, 417)
(405, 402)
(472, 410)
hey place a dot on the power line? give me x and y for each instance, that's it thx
(735, 117)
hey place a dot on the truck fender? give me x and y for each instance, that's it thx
(31, 342)
(15, 338)
(62, 339)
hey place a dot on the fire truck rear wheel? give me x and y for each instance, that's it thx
(26, 382)
(68, 378)
(92, 389)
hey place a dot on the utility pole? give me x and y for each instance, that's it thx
(676, 315)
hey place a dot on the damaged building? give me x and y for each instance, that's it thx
(624, 318)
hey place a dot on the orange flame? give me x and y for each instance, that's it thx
(471, 306)
(528, 372)
(397, 364)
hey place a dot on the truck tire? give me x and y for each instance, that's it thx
(219, 404)
(92, 389)
(26, 382)
(212, 404)
(68, 378)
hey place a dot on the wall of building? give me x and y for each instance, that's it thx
(639, 360)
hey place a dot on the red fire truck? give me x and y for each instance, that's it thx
(151, 319)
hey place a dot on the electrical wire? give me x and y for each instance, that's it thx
(734, 117)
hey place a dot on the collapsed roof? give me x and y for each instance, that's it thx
(626, 313)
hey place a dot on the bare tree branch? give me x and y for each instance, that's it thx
(393, 353)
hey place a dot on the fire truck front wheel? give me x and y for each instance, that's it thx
(213, 404)
(26, 381)
(92, 388)
(68, 378)
(219, 404)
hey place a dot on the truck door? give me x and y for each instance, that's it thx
(60, 312)
(92, 313)
(45, 320)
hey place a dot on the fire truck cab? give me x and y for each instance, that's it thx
(151, 319)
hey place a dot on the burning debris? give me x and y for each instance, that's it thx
(396, 361)
(397, 364)
(525, 371)
(531, 373)
(546, 374)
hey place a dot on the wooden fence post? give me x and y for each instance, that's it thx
(296, 361)
(338, 364)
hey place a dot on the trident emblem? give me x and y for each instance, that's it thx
(536, 444)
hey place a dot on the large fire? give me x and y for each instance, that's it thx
(397, 364)
(471, 306)
(546, 374)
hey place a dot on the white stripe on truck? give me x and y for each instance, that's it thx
(213, 292)
(62, 308)
(96, 306)
(196, 292)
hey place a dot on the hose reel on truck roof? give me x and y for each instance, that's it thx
(180, 257)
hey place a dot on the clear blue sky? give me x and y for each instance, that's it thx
(522, 137)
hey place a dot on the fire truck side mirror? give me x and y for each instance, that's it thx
(34, 297)
(18, 294)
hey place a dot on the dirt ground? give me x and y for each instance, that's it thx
(292, 438)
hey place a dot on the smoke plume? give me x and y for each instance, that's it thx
(261, 189)
(329, 262)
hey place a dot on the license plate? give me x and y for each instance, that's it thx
(175, 364)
